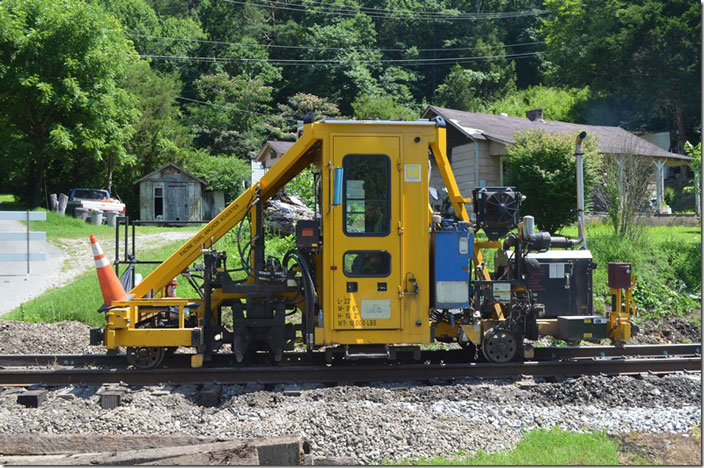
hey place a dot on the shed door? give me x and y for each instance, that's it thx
(176, 203)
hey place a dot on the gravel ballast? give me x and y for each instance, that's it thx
(385, 421)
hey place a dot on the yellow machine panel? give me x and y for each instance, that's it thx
(377, 274)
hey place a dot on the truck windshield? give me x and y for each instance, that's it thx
(90, 194)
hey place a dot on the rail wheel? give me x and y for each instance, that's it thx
(499, 346)
(145, 357)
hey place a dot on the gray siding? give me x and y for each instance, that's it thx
(182, 196)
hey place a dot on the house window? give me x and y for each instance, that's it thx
(158, 203)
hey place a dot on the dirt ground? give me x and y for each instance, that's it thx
(669, 330)
(637, 448)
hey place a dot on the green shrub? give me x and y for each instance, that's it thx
(669, 196)
(225, 173)
(543, 168)
(666, 261)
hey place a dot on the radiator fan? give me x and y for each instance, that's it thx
(496, 209)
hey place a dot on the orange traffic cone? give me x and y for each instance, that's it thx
(110, 285)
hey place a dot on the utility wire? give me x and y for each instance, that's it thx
(424, 61)
(365, 49)
(222, 106)
(393, 14)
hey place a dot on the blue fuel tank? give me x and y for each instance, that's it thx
(452, 247)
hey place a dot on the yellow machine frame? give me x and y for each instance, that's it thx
(401, 308)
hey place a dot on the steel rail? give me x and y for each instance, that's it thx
(349, 373)
(297, 358)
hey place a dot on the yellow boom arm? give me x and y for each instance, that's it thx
(291, 163)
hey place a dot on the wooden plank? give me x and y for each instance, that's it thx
(238, 453)
(22, 215)
(50, 444)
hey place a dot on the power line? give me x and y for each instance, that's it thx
(275, 46)
(393, 14)
(222, 106)
(424, 61)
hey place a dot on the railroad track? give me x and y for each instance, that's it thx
(428, 356)
(552, 362)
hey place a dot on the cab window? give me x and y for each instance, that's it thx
(366, 192)
(367, 263)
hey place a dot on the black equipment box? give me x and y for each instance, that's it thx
(307, 234)
(619, 275)
(564, 282)
(582, 327)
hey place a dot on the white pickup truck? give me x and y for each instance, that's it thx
(93, 199)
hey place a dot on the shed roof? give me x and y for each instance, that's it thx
(280, 147)
(612, 140)
(175, 167)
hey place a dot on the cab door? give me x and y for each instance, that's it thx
(366, 238)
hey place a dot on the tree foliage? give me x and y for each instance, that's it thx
(383, 108)
(563, 104)
(543, 168)
(642, 57)
(66, 115)
(231, 114)
(220, 77)
(224, 172)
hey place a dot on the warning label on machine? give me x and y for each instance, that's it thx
(376, 309)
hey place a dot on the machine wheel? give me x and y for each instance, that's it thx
(146, 357)
(499, 346)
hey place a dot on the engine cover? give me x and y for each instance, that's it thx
(496, 209)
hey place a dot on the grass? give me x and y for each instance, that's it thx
(540, 447)
(666, 261)
(81, 299)
(58, 226)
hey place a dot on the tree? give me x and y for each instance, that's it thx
(695, 187)
(469, 90)
(624, 189)
(233, 120)
(225, 172)
(349, 61)
(382, 107)
(284, 122)
(564, 104)
(641, 56)
(61, 64)
(159, 133)
(543, 168)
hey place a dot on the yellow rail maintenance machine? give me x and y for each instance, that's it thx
(375, 271)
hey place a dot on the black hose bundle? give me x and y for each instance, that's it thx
(310, 296)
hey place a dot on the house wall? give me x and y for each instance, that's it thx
(213, 204)
(462, 162)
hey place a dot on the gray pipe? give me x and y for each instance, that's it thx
(580, 188)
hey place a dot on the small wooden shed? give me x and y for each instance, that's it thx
(171, 194)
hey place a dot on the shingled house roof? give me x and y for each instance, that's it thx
(612, 140)
(279, 147)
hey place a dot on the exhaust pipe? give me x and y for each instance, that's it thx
(580, 188)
